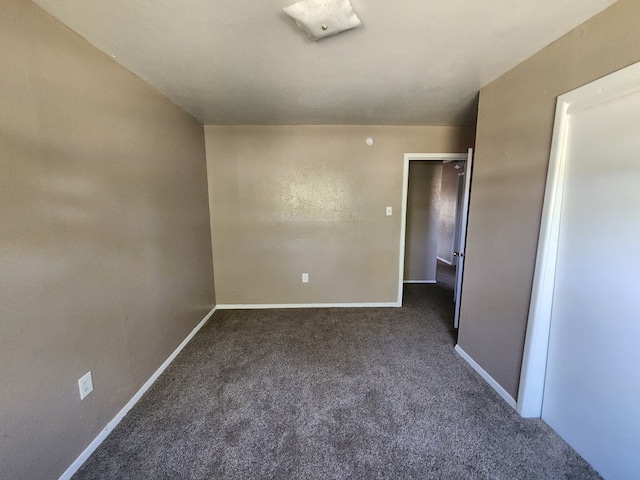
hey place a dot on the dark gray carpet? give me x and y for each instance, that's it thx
(330, 394)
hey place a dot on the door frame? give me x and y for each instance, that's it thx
(534, 362)
(408, 157)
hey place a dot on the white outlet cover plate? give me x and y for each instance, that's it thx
(389, 211)
(85, 383)
(305, 278)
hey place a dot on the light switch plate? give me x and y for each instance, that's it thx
(389, 211)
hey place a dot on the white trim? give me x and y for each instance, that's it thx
(418, 281)
(405, 187)
(489, 379)
(442, 157)
(445, 261)
(73, 468)
(534, 361)
(263, 306)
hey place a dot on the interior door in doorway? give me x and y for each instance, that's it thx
(592, 384)
(462, 236)
(458, 222)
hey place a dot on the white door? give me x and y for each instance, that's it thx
(456, 233)
(462, 232)
(592, 384)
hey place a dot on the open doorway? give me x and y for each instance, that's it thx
(435, 200)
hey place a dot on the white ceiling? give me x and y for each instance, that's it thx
(412, 62)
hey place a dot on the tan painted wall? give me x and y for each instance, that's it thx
(105, 257)
(423, 220)
(292, 199)
(448, 209)
(514, 134)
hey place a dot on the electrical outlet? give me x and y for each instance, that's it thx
(305, 278)
(86, 385)
(389, 211)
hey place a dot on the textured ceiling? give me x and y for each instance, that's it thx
(412, 62)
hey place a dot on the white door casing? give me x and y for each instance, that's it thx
(581, 366)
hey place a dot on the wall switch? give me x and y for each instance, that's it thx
(389, 211)
(86, 385)
(305, 278)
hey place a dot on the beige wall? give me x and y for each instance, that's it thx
(448, 211)
(292, 199)
(105, 258)
(423, 219)
(514, 133)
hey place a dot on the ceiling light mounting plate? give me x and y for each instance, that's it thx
(321, 18)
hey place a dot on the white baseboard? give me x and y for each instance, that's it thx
(262, 306)
(489, 379)
(444, 261)
(418, 281)
(73, 468)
